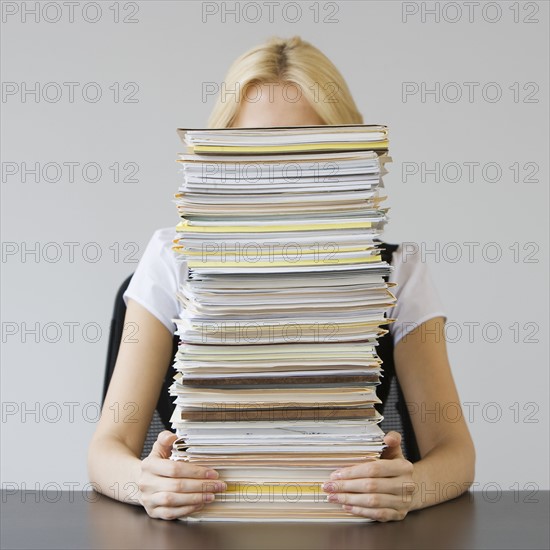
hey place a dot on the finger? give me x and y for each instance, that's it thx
(376, 468)
(155, 484)
(179, 468)
(385, 485)
(175, 500)
(374, 500)
(393, 449)
(162, 448)
(174, 513)
(376, 514)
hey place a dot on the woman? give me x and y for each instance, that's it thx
(283, 83)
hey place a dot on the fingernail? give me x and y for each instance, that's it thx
(212, 474)
(346, 507)
(336, 475)
(222, 486)
(209, 497)
(333, 497)
(328, 486)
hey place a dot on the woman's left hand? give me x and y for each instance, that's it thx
(380, 489)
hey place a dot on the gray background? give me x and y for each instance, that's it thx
(169, 53)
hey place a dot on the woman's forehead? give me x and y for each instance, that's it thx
(275, 104)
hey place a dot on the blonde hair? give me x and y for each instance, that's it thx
(293, 61)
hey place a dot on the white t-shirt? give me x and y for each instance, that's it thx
(159, 274)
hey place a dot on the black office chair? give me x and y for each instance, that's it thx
(164, 408)
(396, 414)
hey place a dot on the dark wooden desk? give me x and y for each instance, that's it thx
(472, 521)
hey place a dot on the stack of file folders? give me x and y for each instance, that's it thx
(284, 298)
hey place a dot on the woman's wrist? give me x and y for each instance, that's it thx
(115, 471)
(418, 488)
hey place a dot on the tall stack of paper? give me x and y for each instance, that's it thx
(284, 299)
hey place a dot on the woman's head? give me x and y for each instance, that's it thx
(283, 83)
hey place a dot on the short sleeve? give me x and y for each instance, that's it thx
(155, 281)
(417, 296)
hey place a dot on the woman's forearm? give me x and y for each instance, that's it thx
(444, 473)
(114, 469)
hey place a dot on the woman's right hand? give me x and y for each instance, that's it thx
(170, 489)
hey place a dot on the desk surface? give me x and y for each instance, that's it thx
(474, 520)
